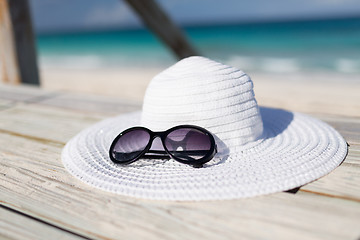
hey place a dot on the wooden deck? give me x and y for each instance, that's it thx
(39, 199)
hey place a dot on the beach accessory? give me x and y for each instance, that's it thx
(187, 144)
(260, 150)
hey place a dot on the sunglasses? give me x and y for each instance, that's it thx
(187, 144)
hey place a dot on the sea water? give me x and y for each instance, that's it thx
(294, 46)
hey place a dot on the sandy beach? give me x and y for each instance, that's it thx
(294, 91)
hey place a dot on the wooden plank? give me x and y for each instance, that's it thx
(38, 122)
(24, 93)
(40, 187)
(106, 106)
(27, 120)
(4, 104)
(35, 182)
(78, 102)
(343, 182)
(18, 46)
(18, 226)
(126, 83)
(157, 21)
(314, 96)
(348, 127)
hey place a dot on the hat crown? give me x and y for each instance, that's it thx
(202, 92)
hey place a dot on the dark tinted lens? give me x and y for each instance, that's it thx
(188, 144)
(130, 145)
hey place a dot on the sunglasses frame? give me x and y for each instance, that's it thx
(165, 154)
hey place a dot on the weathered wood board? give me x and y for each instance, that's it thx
(35, 183)
(17, 226)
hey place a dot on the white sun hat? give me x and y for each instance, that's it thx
(260, 150)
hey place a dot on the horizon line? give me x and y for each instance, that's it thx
(194, 25)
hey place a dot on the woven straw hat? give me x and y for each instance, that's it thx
(260, 150)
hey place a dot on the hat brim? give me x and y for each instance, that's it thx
(295, 149)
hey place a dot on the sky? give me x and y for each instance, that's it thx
(68, 15)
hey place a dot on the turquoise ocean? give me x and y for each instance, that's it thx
(293, 46)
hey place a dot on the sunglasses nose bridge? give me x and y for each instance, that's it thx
(158, 134)
(156, 142)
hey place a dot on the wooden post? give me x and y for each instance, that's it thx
(17, 46)
(158, 22)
